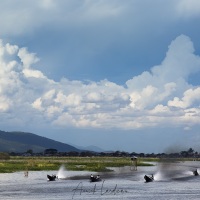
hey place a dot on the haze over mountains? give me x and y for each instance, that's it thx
(22, 141)
(90, 148)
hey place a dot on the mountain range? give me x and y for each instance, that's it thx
(22, 141)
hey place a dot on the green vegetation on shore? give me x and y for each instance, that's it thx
(98, 164)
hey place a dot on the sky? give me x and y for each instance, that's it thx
(119, 75)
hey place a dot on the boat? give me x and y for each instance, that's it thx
(51, 177)
(95, 179)
(195, 172)
(149, 178)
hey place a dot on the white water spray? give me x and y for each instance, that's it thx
(62, 172)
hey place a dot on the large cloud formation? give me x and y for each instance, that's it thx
(159, 97)
(88, 11)
(100, 33)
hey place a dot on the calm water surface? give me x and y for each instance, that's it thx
(172, 181)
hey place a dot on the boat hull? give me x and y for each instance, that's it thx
(95, 179)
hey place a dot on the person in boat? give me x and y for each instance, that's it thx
(149, 178)
(92, 178)
(51, 177)
(195, 173)
(98, 177)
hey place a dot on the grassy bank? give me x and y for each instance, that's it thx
(98, 164)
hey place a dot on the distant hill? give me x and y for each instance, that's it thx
(21, 142)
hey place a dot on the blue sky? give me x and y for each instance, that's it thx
(121, 75)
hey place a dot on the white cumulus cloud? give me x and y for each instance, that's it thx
(188, 8)
(159, 97)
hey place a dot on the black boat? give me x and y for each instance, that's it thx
(195, 172)
(149, 178)
(51, 177)
(95, 179)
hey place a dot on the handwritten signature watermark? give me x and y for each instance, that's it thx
(101, 190)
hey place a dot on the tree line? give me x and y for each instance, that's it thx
(190, 153)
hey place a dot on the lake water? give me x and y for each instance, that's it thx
(172, 181)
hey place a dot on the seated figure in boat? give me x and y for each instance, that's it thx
(51, 177)
(94, 179)
(195, 172)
